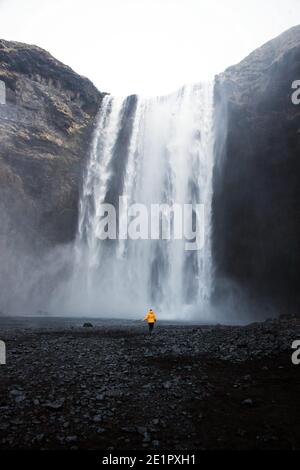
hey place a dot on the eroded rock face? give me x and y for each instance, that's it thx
(256, 179)
(45, 129)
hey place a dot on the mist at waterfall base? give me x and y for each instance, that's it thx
(29, 270)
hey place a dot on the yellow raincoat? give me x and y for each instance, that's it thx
(150, 317)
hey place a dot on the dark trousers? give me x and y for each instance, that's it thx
(151, 326)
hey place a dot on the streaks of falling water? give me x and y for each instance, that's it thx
(151, 151)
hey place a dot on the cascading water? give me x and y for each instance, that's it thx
(153, 151)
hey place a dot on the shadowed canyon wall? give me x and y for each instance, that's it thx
(256, 202)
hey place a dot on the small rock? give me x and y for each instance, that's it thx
(114, 394)
(247, 402)
(147, 437)
(100, 430)
(100, 397)
(20, 398)
(141, 430)
(55, 405)
(247, 377)
(16, 392)
(167, 385)
(98, 418)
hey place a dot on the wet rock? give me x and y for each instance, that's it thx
(141, 430)
(248, 402)
(55, 405)
(16, 392)
(146, 437)
(101, 430)
(167, 385)
(100, 396)
(114, 393)
(98, 418)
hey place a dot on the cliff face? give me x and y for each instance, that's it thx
(45, 129)
(256, 178)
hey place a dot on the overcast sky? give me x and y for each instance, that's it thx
(147, 46)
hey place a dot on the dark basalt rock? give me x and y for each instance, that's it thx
(256, 202)
(101, 386)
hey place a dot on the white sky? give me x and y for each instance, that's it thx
(147, 46)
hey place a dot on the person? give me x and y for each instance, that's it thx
(151, 319)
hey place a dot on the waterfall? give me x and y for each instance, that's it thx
(153, 151)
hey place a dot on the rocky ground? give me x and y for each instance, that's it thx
(66, 386)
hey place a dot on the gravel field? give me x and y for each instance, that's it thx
(111, 386)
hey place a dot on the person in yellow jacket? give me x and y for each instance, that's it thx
(151, 319)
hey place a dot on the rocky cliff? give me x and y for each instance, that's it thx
(257, 172)
(45, 129)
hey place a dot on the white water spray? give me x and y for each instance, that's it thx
(155, 151)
